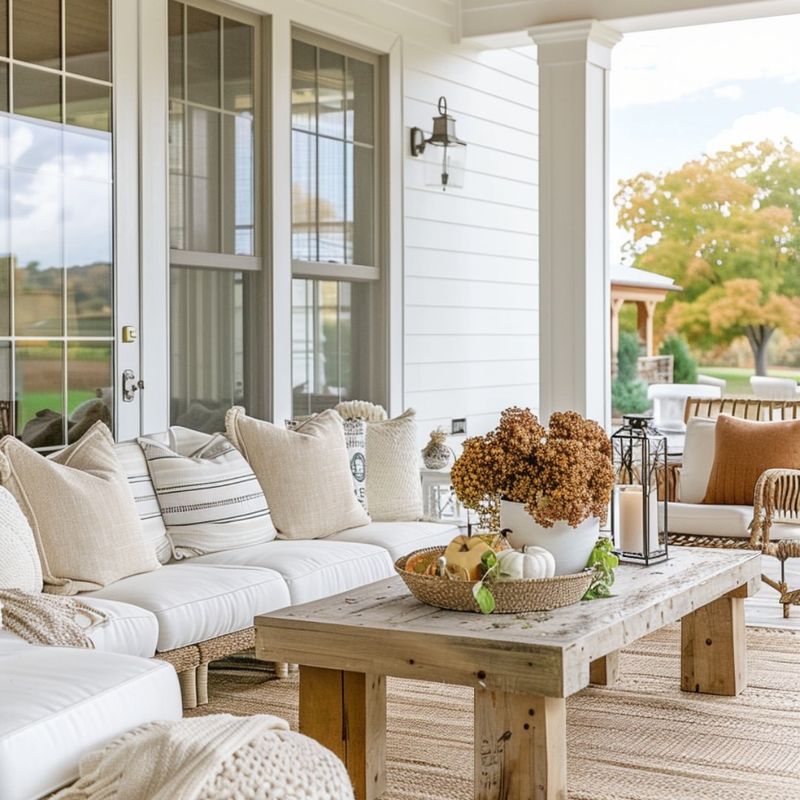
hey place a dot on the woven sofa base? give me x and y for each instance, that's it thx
(191, 663)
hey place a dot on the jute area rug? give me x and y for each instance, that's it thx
(643, 739)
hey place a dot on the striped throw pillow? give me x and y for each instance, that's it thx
(144, 495)
(209, 497)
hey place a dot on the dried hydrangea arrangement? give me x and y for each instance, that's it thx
(563, 472)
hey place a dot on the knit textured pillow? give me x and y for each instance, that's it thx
(304, 473)
(20, 567)
(743, 450)
(210, 499)
(394, 490)
(81, 510)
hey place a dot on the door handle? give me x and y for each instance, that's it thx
(130, 385)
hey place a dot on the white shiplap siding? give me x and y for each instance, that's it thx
(471, 256)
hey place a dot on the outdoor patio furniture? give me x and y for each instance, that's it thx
(771, 526)
(522, 667)
(710, 380)
(774, 388)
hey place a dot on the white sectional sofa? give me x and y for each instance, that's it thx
(57, 706)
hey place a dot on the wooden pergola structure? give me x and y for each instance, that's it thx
(646, 290)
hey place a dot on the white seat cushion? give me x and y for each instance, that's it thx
(59, 705)
(130, 630)
(195, 602)
(706, 519)
(311, 569)
(399, 538)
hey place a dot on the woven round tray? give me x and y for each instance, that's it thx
(511, 597)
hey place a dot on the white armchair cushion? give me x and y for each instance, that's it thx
(698, 459)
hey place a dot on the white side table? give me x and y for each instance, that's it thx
(439, 501)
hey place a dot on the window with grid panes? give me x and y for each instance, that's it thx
(335, 221)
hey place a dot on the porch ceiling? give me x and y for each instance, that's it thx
(504, 23)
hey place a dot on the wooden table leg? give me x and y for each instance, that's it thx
(346, 712)
(520, 747)
(605, 671)
(714, 649)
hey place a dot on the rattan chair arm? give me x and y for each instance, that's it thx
(777, 493)
(668, 481)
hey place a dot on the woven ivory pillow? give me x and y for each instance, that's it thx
(304, 473)
(210, 499)
(743, 450)
(133, 463)
(394, 491)
(355, 437)
(81, 510)
(20, 567)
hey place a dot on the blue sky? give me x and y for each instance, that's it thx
(679, 93)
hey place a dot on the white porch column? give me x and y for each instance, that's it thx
(574, 295)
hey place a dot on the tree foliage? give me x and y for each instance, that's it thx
(629, 391)
(684, 367)
(726, 227)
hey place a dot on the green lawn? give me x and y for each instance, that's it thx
(36, 401)
(738, 378)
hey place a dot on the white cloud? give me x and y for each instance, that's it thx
(731, 91)
(668, 65)
(775, 124)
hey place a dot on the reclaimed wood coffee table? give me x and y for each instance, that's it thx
(522, 667)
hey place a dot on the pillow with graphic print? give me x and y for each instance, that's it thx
(210, 499)
(355, 437)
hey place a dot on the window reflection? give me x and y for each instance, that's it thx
(323, 336)
(333, 157)
(56, 226)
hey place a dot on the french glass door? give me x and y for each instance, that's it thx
(66, 288)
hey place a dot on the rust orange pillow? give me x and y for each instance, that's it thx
(743, 449)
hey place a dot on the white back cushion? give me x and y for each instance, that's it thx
(698, 458)
(20, 567)
(134, 465)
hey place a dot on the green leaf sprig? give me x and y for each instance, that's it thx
(603, 561)
(481, 591)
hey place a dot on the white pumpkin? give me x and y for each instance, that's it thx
(533, 562)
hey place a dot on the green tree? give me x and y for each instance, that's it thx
(629, 391)
(684, 367)
(726, 227)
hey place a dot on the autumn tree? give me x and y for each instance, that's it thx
(726, 227)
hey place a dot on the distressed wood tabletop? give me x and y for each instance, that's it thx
(382, 629)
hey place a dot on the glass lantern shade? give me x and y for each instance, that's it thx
(639, 518)
(444, 165)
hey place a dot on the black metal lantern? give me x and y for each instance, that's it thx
(638, 518)
(448, 171)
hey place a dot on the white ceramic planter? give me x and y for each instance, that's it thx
(570, 546)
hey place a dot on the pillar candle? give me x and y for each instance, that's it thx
(631, 519)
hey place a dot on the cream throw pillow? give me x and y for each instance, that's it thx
(305, 474)
(20, 567)
(81, 510)
(394, 491)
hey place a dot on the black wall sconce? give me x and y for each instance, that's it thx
(447, 171)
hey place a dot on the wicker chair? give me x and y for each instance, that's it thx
(777, 492)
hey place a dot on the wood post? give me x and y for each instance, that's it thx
(605, 671)
(713, 648)
(346, 712)
(520, 747)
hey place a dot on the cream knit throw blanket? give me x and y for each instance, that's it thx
(48, 618)
(218, 757)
